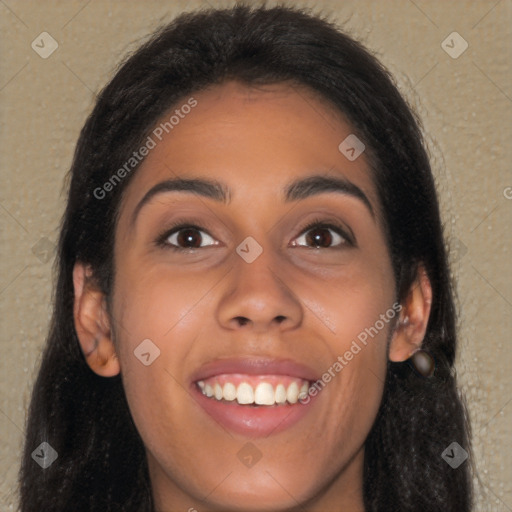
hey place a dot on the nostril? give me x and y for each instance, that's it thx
(280, 319)
(242, 320)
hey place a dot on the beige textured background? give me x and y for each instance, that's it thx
(466, 106)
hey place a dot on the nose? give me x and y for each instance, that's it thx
(257, 297)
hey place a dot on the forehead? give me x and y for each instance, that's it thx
(253, 139)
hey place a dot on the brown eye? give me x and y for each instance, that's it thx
(321, 237)
(189, 238)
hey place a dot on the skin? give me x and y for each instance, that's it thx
(255, 141)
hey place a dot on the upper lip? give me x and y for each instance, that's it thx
(254, 366)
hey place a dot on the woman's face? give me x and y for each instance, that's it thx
(251, 304)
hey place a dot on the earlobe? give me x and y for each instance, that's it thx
(412, 325)
(92, 324)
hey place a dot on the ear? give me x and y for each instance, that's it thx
(92, 324)
(412, 325)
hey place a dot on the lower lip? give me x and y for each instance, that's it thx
(260, 421)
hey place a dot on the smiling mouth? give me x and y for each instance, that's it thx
(255, 396)
(254, 390)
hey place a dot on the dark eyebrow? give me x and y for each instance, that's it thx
(299, 189)
(203, 187)
(318, 184)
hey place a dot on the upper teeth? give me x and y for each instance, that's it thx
(263, 394)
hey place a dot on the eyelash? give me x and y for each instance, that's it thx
(162, 240)
(349, 239)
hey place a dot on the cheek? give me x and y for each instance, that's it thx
(157, 318)
(160, 306)
(361, 314)
(355, 307)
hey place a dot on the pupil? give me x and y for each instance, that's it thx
(189, 237)
(319, 237)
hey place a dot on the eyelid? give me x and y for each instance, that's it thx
(162, 240)
(344, 231)
(204, 233)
